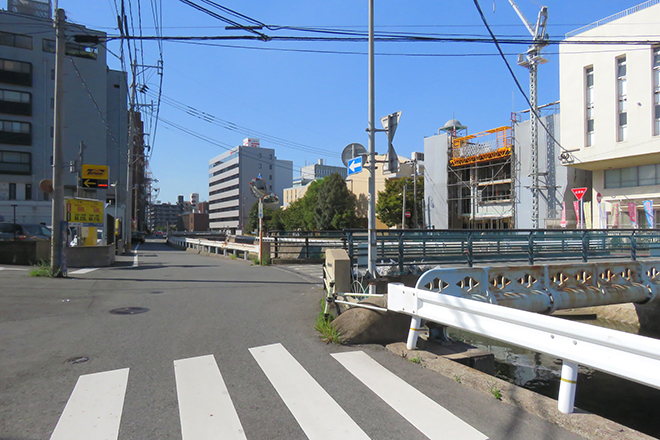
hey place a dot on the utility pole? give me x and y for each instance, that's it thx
(415, 193)
(372, 154)
(57, 206)
(531, 60)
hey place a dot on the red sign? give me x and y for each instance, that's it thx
(407, 214)
(579, 192)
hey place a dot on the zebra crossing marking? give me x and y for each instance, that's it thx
(83, 271)
(205, 407)
(310, 404)
(423, 413)
(93, 411)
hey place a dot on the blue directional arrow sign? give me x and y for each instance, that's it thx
(355, 165)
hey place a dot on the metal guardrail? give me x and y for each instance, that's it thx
(633, 357)
(401, 248)
(214, 246)
(549, 287)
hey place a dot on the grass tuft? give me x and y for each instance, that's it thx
(327, 330)
(495, 391)
(42, 269)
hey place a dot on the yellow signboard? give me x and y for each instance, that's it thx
(98, 172)
(84, 212)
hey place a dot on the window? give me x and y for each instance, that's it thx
(656, 91)
(15, 72)
(14, 162)
(15, 103)
(16, 40)
(12, 191)
(590, 106)
(15, 133)
(622, 104)
(644, 175)
(260, 164)
(72, 49)
(28, 191)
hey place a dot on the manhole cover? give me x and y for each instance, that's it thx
(129, 310)
(76, 360)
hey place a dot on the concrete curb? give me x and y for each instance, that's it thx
(587, 425)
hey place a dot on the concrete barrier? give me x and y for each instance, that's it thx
(90, 256)
(24, 252)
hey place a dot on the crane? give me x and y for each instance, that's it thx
(531, 59)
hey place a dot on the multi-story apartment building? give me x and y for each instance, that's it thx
(230, 173)
(162, 215)
(27, 72)
(610, 97)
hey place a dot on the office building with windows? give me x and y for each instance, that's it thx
(95, 114)
(230, 173)
(610, 119)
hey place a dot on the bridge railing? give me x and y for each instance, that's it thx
(633, 357)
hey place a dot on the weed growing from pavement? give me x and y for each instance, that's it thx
(42, 269)
(327, 330)
(457, 379)
(495, 391)
(233, 256)
(416, 360)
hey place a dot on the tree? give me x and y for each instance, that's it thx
(271, 218)
(335, 205)
(390, 201)
(300, 214)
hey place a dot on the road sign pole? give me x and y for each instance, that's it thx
(372, 154)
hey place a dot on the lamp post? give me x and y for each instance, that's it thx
(403, 211)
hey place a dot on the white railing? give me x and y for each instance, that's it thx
(633, 357)
(214, 246)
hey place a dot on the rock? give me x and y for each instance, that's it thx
(364, 326)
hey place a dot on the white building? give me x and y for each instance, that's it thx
(230, 173)
(27, 64)
(610, 97)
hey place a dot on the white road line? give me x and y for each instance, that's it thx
(13, 268)
(94, 407)
(135, 256)
(205, 407)
(83, 271)
(425, 414)
(319, 416)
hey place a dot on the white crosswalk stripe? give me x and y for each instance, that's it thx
(94, 408)
(431, 419)
(304, 396)
(206, 410)
(82, 271)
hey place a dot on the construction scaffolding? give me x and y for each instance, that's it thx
(481, 180)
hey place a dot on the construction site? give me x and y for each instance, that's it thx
(480, 181)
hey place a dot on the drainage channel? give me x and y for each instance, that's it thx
(625, 402)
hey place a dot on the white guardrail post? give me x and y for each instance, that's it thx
(632, 357)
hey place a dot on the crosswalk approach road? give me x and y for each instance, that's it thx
(213, 348)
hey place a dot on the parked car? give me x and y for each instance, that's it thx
(24, 231)
(137, 237)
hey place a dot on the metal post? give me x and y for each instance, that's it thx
(261, 229)
(567, 387)
(413, 333)
(57, 207)
(372, 154)
(416, 225)
(403, 212)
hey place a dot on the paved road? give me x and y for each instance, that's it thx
(226, 350)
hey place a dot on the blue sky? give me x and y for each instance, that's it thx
(308, 101)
